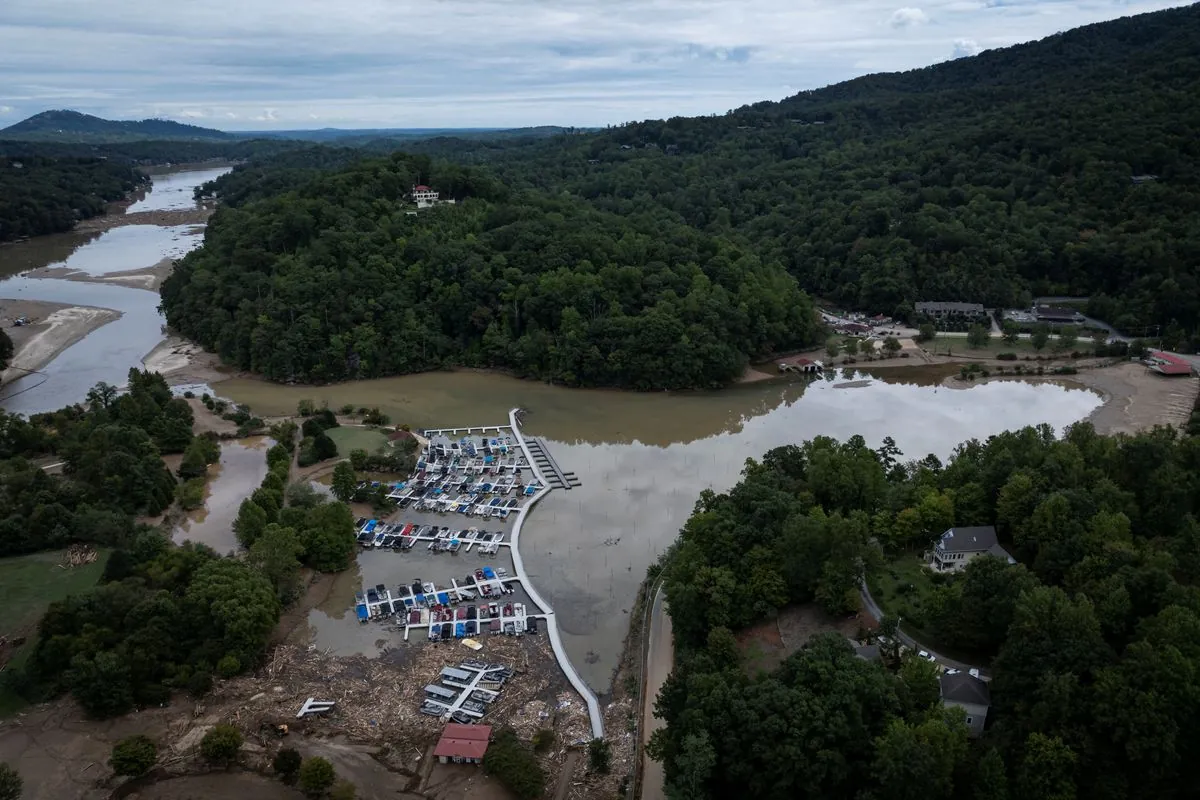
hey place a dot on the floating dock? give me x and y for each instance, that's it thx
(539, 456)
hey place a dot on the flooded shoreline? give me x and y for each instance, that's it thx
(644, 458)
(242, 467)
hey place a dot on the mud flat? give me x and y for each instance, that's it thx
(56, 326)
(145, 278)
(1135, 399)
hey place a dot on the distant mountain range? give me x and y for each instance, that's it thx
(77, 128)
(72, 126)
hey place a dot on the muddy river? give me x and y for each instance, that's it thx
(108, 352)
(643, 459)
(242, 467)
(172, 191)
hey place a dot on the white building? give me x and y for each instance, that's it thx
(424, 197)
(957, 547)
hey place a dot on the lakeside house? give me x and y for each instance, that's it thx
(463, 744)
(957, 547)
(1168, 364)
(951, 310)
(972, 695)
(806, 365)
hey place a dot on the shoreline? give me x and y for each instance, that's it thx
(57, 328)
(1133, 399)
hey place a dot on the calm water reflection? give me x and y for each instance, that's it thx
(644, 458)
(174, 191)
(242, 468)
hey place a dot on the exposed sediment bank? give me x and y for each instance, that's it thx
(54, 327)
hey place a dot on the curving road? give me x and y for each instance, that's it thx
(875, 611)
(660, 658)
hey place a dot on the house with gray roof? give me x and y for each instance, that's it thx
(957, 547)
(969, 693)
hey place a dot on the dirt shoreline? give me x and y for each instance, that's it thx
(56, 326)
(1134, 398)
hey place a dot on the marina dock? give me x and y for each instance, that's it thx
(552, 474)
(560, 651)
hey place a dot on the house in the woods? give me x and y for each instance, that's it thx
(957, 547)
(969, 693)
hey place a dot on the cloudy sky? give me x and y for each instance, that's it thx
(273, 64)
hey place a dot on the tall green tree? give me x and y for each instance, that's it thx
(344, 481)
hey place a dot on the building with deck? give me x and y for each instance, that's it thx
(958, 547)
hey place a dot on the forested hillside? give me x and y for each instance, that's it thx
(341, 278)
(986, 179)
(47, 195)
(73, 126)
(1094, 635)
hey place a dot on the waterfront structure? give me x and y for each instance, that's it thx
(463, 744)
(972, 695)
(951, 310)
(958, 547)
(1168, 364)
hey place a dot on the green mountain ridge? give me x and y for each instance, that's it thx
(62, 125)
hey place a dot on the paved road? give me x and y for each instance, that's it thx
(876, 612)
(660, 658)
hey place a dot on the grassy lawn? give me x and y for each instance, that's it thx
(28, 584)
(903, 587)
(347, 438)
(943, 344)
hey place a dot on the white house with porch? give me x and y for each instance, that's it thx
(958, 547)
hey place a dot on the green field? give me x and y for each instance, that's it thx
(957, 345)
(28, 584)
(351, 438)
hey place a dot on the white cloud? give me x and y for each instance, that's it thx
(193, 113)
(416, 63)
(908, 17)
(6, 109)
(964, 48)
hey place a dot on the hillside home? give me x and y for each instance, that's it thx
(958, 546)
(969, 693)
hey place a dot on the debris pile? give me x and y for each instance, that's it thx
(378, 699)
(77, 555)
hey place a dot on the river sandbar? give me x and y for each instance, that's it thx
(55, 327)
(149, 278)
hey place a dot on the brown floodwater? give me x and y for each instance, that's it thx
(242, 468)
(644, 458)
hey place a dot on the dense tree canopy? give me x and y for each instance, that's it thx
(337, 280)
(1093, 637)
(113, 469)
(47, 195)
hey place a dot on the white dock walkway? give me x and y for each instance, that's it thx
(560, 651)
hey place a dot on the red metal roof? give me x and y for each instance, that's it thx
(422, 188)
(1169, 364)
(463, 741)
(803, 362)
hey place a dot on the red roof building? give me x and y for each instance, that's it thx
(421, 188)
(1168, 364)
(463, 744)
(399, 435)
